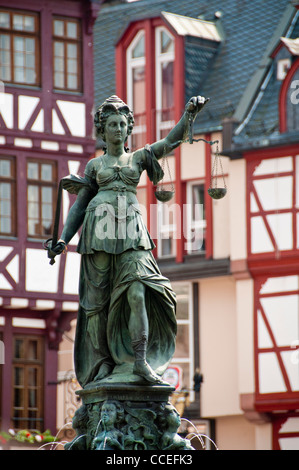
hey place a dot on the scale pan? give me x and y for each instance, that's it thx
(164, 195)
(217, 193)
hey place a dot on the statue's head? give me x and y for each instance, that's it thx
(112, 105)
(169, 417)
(112, 412)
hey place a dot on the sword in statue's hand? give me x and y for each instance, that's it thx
(52, 242)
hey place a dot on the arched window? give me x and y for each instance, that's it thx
(289, 100)
(293, 102)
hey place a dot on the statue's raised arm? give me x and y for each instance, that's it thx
(181, 130)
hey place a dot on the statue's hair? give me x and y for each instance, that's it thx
(112, 105)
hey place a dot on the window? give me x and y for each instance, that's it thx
(183, 356)
(19, 47)
(289, 97)
(196, 223)
(292, 107)
(164, 82)
(166, 229)
(136, 88)
(151, 68)
(41, 197)
(27, 410)
(67, 54)
(273, 211)
(7, 196)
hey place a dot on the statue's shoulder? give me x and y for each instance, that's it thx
(137, 154)
(92, 166)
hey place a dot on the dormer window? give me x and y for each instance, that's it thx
(160, 63)
(162, 76)
(289, 94)
(150, 73)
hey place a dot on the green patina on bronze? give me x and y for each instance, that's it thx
(126, 325)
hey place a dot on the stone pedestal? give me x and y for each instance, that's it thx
(119, 416)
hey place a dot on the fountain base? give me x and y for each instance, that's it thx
(119, 416)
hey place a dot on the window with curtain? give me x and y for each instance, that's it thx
(27, 399)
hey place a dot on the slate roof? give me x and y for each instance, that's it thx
(231, 76)
(262, 128)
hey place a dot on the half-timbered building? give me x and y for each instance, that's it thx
(46, 132)
(233, 263)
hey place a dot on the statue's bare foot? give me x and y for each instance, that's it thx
(144, 370)
(104, 370)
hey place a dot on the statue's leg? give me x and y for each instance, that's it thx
(138, 327)
(98, 298)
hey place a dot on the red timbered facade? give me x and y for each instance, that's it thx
(273, 257)
(272, 243)
(46, 132)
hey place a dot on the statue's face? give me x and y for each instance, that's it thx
(108, 413)
(116, 128)
(173, 418)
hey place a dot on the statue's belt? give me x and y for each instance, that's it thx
(119, 189)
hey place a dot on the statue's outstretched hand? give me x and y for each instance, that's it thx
(195, 104)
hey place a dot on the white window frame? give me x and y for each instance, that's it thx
(192, 225)
(133, 63)
(160, 58)
(165, 229)
(180, 361)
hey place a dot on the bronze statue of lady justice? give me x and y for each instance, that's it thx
(126, 325)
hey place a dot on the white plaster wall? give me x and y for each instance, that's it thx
(237, 209)
(193, 160)
(219, 347)
(221, 228)
(245, 339)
